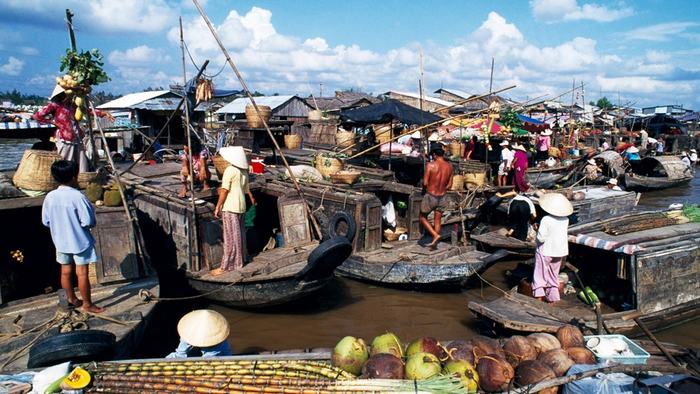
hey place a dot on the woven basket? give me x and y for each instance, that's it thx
(347, 177)
(474, 180)
(220, 165)
(457, 183)
(328, 166)
(344, 139)
(255, 121)
(315, 115)
(34, 171)
(390, 235)
(292, 141)
(456, 148)
(86, 178)
(383, 134)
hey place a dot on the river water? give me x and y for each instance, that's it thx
(347, 307)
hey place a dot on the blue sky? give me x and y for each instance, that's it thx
(646, 52)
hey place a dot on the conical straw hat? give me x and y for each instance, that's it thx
(56, 91)
(556, 204)
(234, 155)
(203, 328)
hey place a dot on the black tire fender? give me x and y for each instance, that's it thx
(76, 346)
(327, 256)
(336, 219)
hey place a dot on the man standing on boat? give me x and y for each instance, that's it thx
(552, 246)
(231, 207)
(436, 181)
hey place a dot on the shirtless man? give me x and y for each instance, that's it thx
(437, 180)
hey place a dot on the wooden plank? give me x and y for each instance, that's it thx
(294, 221)
(115, 246)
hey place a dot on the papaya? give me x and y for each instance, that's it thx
(78, 114)
(78, 101)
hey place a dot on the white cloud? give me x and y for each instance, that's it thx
(552, 11)
(141, 54)
(642, 84)
(660, 32)
(13, 66)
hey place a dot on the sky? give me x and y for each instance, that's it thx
(638, 53)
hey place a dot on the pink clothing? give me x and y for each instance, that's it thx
(545, 279)
(197, 164)
(63, 116)
(234, 241)
(543, 143)
(520, 166)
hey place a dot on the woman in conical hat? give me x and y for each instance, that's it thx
(231, 207)
(552, 246)
(519, 165)
(204, 333)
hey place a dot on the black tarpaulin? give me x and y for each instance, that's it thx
(387, 111)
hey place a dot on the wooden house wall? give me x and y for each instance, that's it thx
(447, 96)
(294, 108)
(668, 278)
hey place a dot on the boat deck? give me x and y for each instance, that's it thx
(23, 321)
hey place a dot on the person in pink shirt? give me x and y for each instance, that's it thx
(542, 144)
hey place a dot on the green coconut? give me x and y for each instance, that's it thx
(350, 354)
(465, 372)
(112, 198)
(93, 192)
(387, 343)
(426, 345)
(422, 366)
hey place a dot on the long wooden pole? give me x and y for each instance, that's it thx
(193, 241)
(314, 222)
(433, 123)
(466, 100)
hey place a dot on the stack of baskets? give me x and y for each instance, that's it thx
(456, 148)
(34, 171)
(474, 180)
(457, 183)
(328, 166)
(254, 120)
(344, 139)
(292, 141)
(315, 115)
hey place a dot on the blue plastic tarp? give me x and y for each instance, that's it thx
(528, 119)
(610, 383)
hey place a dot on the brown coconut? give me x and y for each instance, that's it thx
(581, 355)
(557, 359)
(461, 350)
(495, 373)
(517, 349)
(570, 336)
(544, 342)
(532, 372)
(485, 345)
(383, 366)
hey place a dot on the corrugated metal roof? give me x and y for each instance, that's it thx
(459, 93)
(132, 99)
(159, 103)
(237, 106)
(426, 98)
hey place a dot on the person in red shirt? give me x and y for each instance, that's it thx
(60, 111)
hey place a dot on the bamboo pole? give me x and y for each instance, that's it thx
(314, 222)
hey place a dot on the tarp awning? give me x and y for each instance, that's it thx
(528, 119)
(389, 110)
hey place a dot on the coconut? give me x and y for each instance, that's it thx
(460, 350)
(350, 354)
(581, 355)
(517, 349)
(422, 366)
(544, 342)
(532, 372)
(558, 360)
(387, 343)
(426, 345)
(383, 366)
(495, 373)
(465, 372)
(485, 345)
(570, 336)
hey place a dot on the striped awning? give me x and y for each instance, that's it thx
(25, 124)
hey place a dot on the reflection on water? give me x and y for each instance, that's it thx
(11, 152)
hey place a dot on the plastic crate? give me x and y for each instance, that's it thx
(640, 355)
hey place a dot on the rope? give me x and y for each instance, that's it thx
(223, 66)
(146, 296)
(323, 196)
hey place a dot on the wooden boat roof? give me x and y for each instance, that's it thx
(122, 301)
(674, 167)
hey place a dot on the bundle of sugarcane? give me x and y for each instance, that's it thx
(626, 227)
(204, 91)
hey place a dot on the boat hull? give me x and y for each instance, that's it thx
(645, 183)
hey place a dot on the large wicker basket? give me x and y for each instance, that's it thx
(383, 134)
(251, 116)
(474, 180)
(292, 141)
(345, 176)
(328, 166)
(457, 183)
(34, 171)
(393, 235)
(315, 115)
(344, 139)
(456, 148)
(220, 165)
(86, 178)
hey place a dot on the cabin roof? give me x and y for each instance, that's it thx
(238, 105)
(132, 99)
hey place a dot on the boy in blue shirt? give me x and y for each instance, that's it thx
(69, 215)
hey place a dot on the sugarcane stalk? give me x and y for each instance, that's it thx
(216, 382)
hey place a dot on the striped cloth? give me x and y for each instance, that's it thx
(599, 243)
(25, 124)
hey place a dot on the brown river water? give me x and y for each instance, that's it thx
(347, 307)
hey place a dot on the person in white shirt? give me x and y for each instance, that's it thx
(552, 246)
(685, 159)
(693, 156)
(612, 185)
(644, 139)
(605, 146)
(506, 161)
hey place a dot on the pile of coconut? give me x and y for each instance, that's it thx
(481, 363)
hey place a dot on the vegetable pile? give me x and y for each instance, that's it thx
(83, 70)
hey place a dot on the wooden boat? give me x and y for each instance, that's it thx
(494, 240)
(658, 172)
(547, 177)
(651, 270)
(272, 276)
(126, 316)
